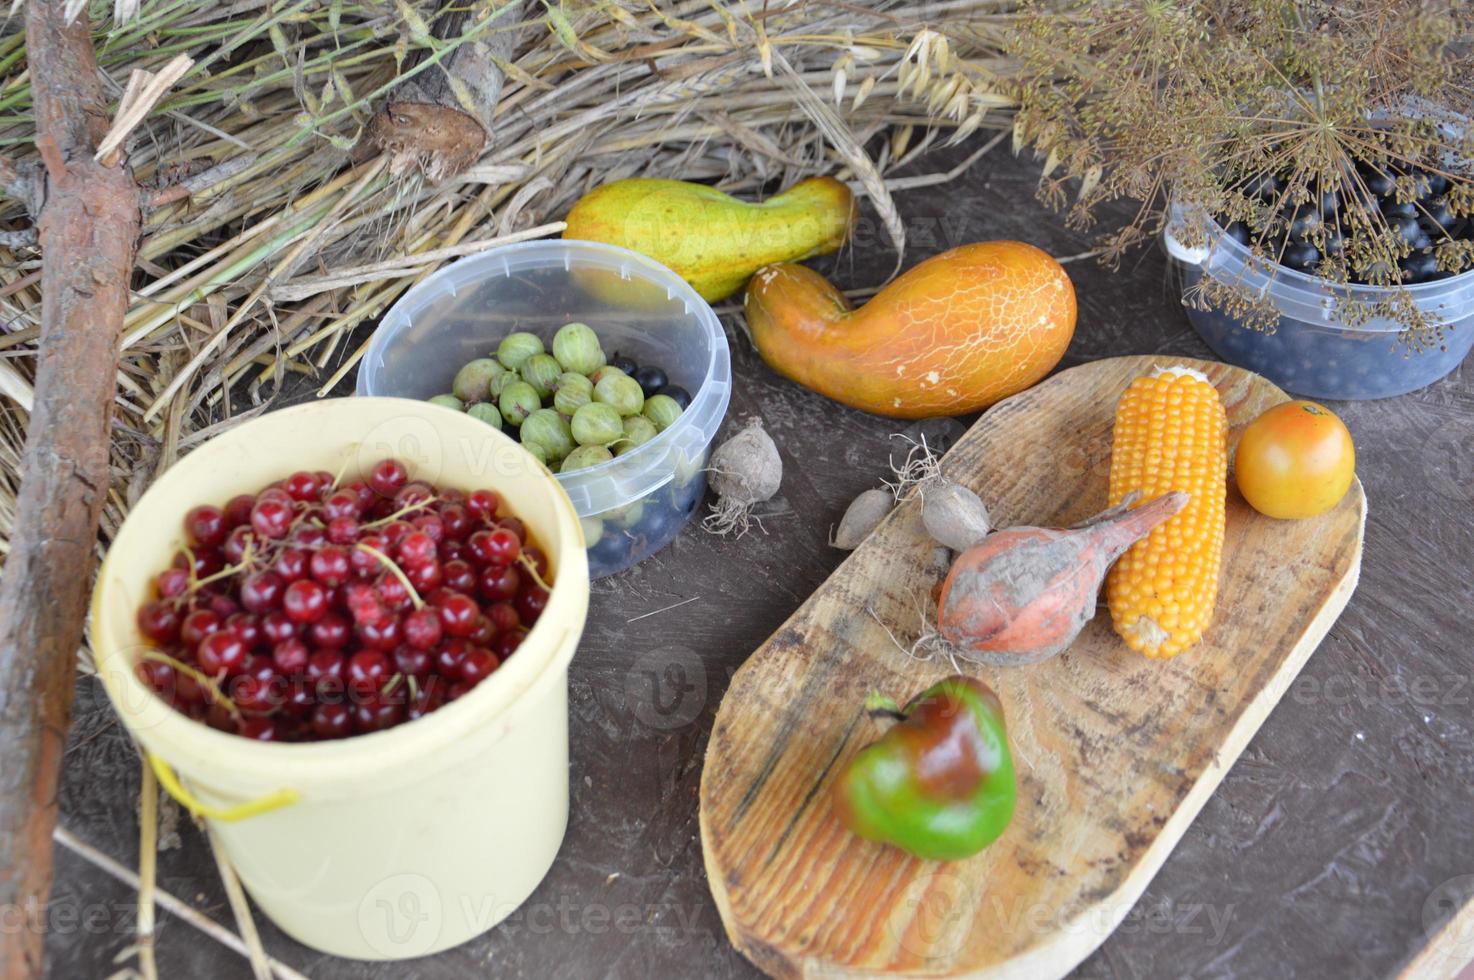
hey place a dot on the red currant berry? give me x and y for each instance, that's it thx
(172, 582)
(332, 721)
(221, 605)
(497, 547)
(277, 626)
(364, 493)
(530, 603)
(416, 548)
(483, 504)
(383, 634)
(157, 675)
(205, 526)
(458, 614)
(238, 542)
(367, 671)
(330, 565)
(198, 625)
(324, 665)
(478, 665)
(431, 525)
(412, 493)
(422, 629)
(457, 690)
(413, 662)
(305, 601)
(503, 616)
(290, 656)
(376, 714)
(221, 653)
(260, 728)
(248, 628)
(343, 503)
(302, 486)
(271, 517)
(507, 643)
(426, 577)
(387, 477)
(262, 591)
(516, 526)
(394, 532)
(204, 564)
(499, 583)
(237, 510)
(331, 630)
(449, 657)
(483, 633)
(451, 550)
(458, 576)
(456, 520)
(539, 562)
(343, 530)
(426, 700)
(309, 536)
(159, 621)
(290, 564)
(363, 562)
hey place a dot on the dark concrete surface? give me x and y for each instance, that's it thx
(1339, 840)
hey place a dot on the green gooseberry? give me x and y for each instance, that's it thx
(576, 347)
(584, 457)
(593, 530)
(638, 430)
(605, 371)
(573, 392)
(500, 383)
(473, 380)
(538, 452)
(518, 347)
(448, 401)
(486, 412)
(542, 372)
(662, 411)
(518, 400)
(620, 392)
(596, 424)
(548, 429)
(632, 514)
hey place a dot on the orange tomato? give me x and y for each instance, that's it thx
(1296, 460)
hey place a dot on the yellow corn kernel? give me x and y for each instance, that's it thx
(1171, 433)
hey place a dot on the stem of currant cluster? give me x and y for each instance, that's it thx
(395, 570)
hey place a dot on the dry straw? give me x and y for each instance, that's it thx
(270, 249)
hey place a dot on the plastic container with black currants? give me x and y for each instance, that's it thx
(1313, 351)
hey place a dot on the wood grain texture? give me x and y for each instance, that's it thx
(1116, 753)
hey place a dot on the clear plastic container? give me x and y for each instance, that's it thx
(635, 504)
(1312, 352)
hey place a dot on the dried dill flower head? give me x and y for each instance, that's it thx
(1331, 137)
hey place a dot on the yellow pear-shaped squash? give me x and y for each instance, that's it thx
(710, 238)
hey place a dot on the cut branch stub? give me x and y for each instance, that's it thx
(439, 120)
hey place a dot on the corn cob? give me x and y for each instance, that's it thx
(1170, 434)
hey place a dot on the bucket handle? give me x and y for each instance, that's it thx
(198, 808)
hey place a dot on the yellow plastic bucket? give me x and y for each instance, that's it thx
(399, 843)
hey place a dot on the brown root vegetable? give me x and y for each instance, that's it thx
(863, 515)
(953, 514)
(1023, 594)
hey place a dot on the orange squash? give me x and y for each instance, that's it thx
(952, 335)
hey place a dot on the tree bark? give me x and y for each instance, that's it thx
(425, 121)
(87, 216)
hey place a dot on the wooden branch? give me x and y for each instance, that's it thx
(439, 120)
(88, 227)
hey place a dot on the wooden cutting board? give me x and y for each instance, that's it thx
(1115, 753)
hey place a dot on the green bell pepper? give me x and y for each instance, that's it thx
(940, 784)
